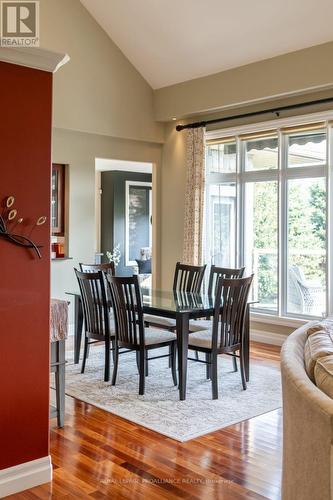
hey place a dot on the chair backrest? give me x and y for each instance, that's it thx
(230, 309)
(127, 309)
(108, 268)
(222, 272)
(94, 302)
(188, 278)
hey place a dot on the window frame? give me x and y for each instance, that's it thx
(282, 175)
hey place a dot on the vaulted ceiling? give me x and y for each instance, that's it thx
(171, 41)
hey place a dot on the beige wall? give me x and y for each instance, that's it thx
(99, 91)
(293, 73)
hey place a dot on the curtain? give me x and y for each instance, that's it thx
(194, 196)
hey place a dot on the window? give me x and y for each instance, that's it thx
(261, 242)
(222, 223)
(267, 209)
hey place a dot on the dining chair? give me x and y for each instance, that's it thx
(214, 275)
(222, 272)
(227, 333)
(108, 268)
(131, 332)
(186, 279)
(96, 313)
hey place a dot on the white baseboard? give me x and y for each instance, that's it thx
(267, 337)
(24, 476)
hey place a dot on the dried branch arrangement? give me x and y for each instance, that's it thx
(9, 221)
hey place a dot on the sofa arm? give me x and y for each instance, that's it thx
(307, 428)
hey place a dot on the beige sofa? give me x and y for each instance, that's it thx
(307, 418)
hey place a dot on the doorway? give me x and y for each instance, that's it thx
(124, 216)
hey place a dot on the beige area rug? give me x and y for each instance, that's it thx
(160, 409)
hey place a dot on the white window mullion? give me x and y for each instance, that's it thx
(283, 224)
(240, 204)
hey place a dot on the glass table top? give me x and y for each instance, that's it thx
(172, 301)
(168, 301)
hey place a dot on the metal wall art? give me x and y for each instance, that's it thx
(9, 221)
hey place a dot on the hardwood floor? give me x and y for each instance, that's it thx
(98, 455)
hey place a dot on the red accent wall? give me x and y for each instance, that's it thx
(25, 170)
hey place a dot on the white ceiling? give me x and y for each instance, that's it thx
(171, 41)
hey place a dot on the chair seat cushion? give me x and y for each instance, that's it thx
(158, 336)
(323, 374)
(202, 324)
(317, 346)
(201, 338)
(158, 320)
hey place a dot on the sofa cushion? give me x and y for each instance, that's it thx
(323, 374)
(319, 326)
(317, 346)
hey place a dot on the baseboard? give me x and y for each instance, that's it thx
(24, 476)
(267, 337)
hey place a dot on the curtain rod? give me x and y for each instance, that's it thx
(276, 111)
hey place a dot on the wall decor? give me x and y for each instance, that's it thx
(9, 221)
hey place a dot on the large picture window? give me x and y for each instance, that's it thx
(267, 208)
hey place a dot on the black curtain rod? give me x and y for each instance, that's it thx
(275, 111)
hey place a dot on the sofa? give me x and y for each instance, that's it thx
(307, 386)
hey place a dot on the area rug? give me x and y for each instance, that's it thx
(160, 409)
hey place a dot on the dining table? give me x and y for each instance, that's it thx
(180, 306)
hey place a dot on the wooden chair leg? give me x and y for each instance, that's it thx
(173, 362)
(115, 364)
(234, 361)
(242, 369)
(170, 356)
(146, 363)
(85, 351)
(113, 344)
(107, 361)
(214, 376)
(208, 365)
(142, 355)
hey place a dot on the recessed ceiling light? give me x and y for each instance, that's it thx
(174, 119)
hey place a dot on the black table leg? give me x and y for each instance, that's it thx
(78, 324)
(182, 330)
(60, 383)
(246, 347)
